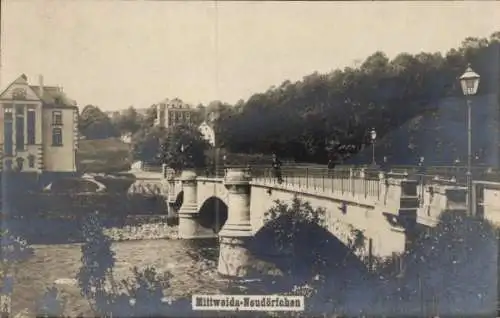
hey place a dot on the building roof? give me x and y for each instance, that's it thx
(175, 103)
(53, 96)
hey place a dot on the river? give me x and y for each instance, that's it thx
(191, 272)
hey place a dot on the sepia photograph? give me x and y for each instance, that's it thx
(249, 158)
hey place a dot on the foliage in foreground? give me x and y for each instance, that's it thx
(451, 265)
(141, 295)
(52, 304)
(13, 251)
(97, 259)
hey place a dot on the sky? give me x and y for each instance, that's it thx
(114, 54)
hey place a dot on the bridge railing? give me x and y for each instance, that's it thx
(344, 181)
(305, 173)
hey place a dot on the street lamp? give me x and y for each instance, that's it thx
(183, 161)
(421, 165)
(212, 118)
(421, 173)
(373, 135)
(470, 83)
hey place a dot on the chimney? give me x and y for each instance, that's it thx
(40, 85)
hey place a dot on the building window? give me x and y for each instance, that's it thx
(57, 117)
(31, 122)
(7, 112)
(31, 161)
(8, 164)
(57, 137)
(20, 110)
(7, 131)
(19, 128)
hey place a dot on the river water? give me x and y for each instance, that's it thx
(193, 266)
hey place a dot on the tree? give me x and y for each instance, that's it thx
(149, 118)
(98, 261)
(184, 147)
(13, 251)
(451, 265)
(346, 103)
(147, 289)
(129, 122)
(52, 304)
(199, 115)
(146, 144)
(95, 124)
(287, 222)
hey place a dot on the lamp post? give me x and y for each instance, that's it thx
(212, 119)
(373, 135)
(421, 176)
(469, 82)
(421, 165)
(183, 161)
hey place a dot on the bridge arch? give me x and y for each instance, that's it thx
(304, 249)
(213, 214)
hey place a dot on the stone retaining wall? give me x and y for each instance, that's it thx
(152, 231)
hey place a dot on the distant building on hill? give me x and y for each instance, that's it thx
(39, 128)
(173, 112)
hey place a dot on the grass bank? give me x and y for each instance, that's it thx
(103, 155)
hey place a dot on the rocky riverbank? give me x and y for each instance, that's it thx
(151, 231)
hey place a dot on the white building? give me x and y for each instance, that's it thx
(207, 132)
(126, 138)
(38, 128)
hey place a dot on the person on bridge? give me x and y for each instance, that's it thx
(385, 165)
(277, 168)
(331, 166)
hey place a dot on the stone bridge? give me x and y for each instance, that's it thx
(387, 208)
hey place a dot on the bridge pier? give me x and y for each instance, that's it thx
(188, 225)
(171, 197)
(234, 256)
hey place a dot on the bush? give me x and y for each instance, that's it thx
(452, 264)
(13, 250)
(52, 304)
(98, 261)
